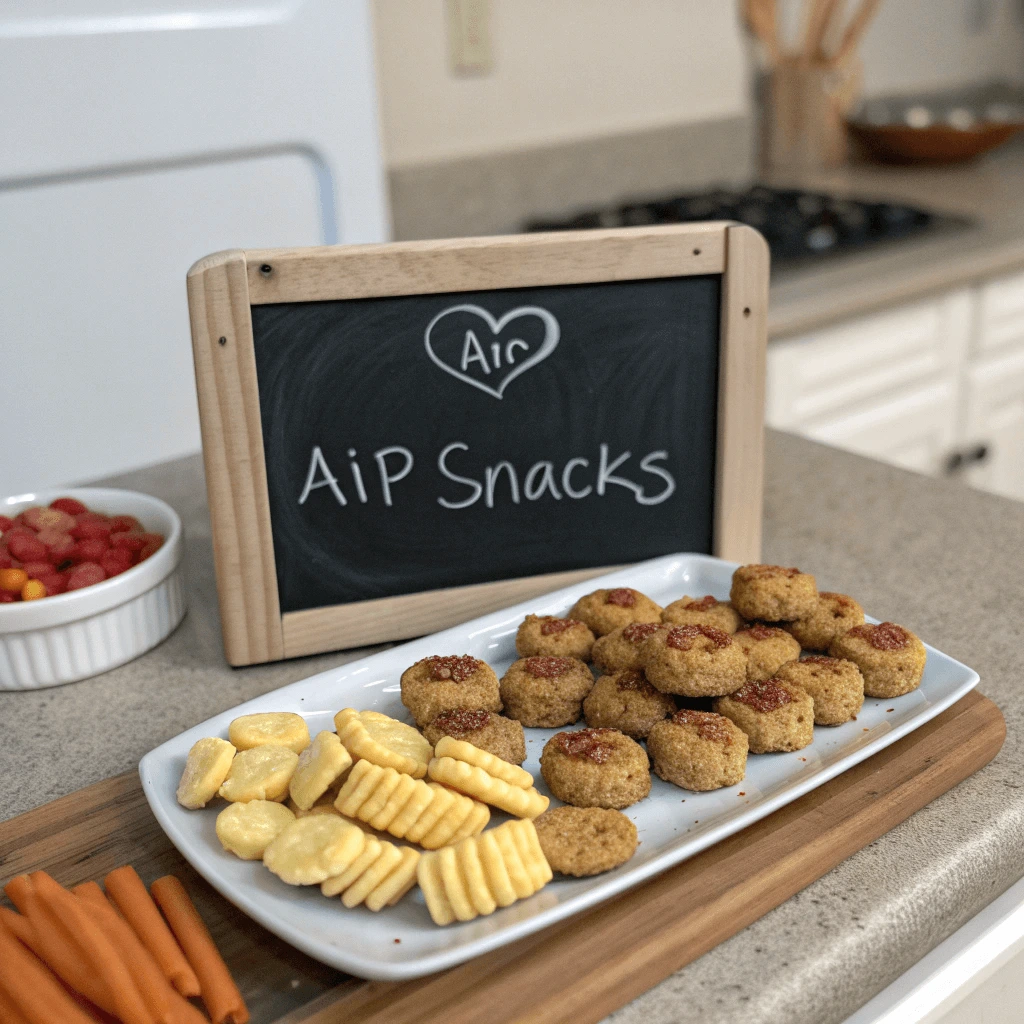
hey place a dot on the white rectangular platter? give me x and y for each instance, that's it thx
(673, 824)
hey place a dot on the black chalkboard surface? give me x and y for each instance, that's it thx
(400, 437)
(429, 441)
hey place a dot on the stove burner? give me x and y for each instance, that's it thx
(798, 225)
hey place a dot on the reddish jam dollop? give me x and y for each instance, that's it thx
(886, 636)
(682, 637)
(454, 668)
(759, 632)
(820, 659)
(633, 679)
(709, 726)
(548, 668)
(461, 721)
(763, 695)
(550, 625)
(839, 600)
(704, 604)
(769, 571)
(588, 744)
(638, 632)
(621, 596)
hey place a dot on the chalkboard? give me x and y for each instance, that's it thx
(394, 434)
(431, 441)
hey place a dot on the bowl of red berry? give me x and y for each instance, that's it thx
(90, 578)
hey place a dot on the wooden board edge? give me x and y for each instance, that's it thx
(327, 273)
(515, 983)
(236, 480)
(739, 463)
(410, 615)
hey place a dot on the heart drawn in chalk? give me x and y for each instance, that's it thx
(478, 354)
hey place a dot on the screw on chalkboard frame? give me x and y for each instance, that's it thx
(222, 340)
(266, 269)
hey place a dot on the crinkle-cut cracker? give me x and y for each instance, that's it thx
(477, 783)
(408, 808)
(448, 746)
(379, 877)
(319, 765)
(206, 768)
(325, 805)
(384, 741)
(281, 728)
(261, 773)
(313, 849)
(479, 874)
(246, 830)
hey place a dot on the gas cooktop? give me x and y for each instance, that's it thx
(799, 225)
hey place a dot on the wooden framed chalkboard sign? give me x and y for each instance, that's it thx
(399, 437)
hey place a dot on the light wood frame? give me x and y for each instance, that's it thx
(223, 287)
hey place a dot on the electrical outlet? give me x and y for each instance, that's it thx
(469, 37)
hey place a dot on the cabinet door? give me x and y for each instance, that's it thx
(1000, 314)
(994, 401)
(914, 430)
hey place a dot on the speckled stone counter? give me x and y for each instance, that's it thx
(942, 559)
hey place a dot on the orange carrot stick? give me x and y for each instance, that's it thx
(129, 894)
(220, 993)
(19, 926)
(9, 1011)
(55, 945)
(165, 1003)
(33, 988)
(98, 950)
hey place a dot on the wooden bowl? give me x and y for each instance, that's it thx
(936, 144)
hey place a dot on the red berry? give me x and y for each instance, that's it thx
(6, 597)
(5, 523)
(90, 550)
(115, 561)
(72, 506)
(35, 568)
(27, 549)
(86, 529)
(6, 562)
(85, 574)
(59, 545)
(14, 531)
(41, 518)
(125, 524)
(151, 547)
(130, 541)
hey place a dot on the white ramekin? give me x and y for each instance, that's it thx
(73, 636)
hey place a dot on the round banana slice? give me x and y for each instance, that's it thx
(311, 850)
(246, 830)
(323, 761)
(262, 773)
(282, 728)
(383, 741)
(206, 768)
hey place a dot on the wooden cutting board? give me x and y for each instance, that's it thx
(617, 950)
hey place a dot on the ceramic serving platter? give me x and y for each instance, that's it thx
(673, 824)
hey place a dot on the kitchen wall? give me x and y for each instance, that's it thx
(568, 70)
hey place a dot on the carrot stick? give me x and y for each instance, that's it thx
(129, 894)
(55, 945)
(33, 988)
(90, 891)
(9, 1011)
(19, 926)
(220, 993)
(98, 950)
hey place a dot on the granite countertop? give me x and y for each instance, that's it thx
(931, 554)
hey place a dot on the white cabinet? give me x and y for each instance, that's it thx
(934, 386)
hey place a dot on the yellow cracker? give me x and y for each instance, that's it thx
(448, 746)
(428, 874)
(358, 786)
(339, 883)
(474, 781)
(465, 817)
(474, 824)
(283, 728)
(389, 859)
(440, 802)
(454, 884)
(246, 830)
(397, 884)
(536, 864)
(311, 850)
(387, 782)
(384, 741)
(519, 877)
(468, 857)
(325, 805)
(414, 810)
(260, 773)
(396, 802)
(206, 768)
(323, 761)
(495, 869)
